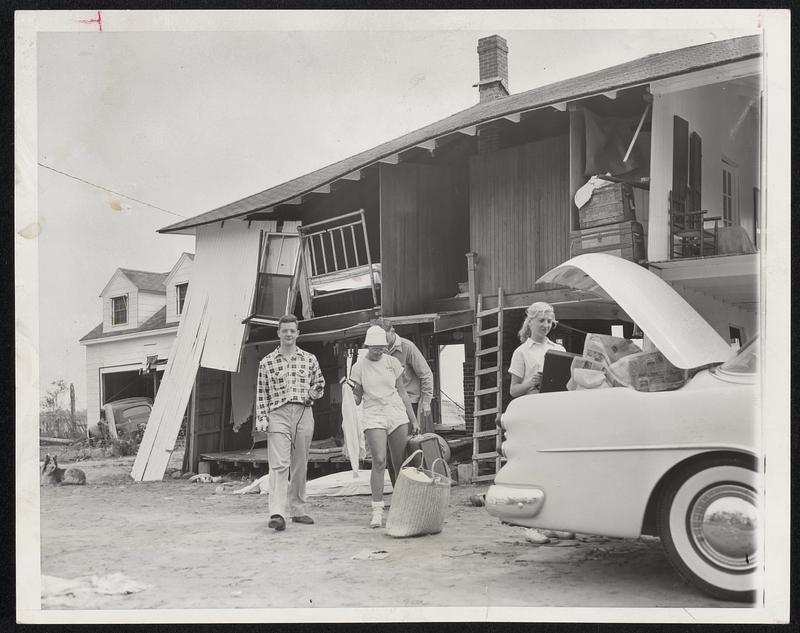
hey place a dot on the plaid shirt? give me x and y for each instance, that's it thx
(282, 380)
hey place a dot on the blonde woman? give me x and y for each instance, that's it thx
(528, 358)
(386, 413)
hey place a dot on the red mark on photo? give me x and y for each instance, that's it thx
(98, 20)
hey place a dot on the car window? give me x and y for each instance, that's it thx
(746, 361)
(141, 411)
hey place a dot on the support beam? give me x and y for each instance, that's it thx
(353, 175)
(322, 189)
(297, 200)
(611, 94)
(472, 130)
(514, 118)
(561, 107)
(429, 145)
(390, 160)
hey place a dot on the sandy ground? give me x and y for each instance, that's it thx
(196, 548)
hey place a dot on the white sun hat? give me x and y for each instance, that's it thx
(376, 335)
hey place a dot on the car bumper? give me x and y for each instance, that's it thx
(507, 502)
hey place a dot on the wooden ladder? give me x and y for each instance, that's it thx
(486, 435)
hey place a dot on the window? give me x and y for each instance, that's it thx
(119, 310)
(730, 199)
(180, 295)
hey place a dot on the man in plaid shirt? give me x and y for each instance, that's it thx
(289, 380)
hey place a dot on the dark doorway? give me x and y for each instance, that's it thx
(129, 384)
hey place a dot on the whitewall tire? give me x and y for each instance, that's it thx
(708, 522)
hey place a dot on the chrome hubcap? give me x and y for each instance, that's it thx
(723, 524)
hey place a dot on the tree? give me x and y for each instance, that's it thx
(51, 400)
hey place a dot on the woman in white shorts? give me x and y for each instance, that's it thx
(386, 411)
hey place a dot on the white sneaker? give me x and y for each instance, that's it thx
(377, 514)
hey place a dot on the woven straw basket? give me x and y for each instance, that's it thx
(419, 500)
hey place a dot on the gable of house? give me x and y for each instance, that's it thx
(176, 285)
(130, 298)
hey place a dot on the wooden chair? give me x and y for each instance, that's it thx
(692, 233)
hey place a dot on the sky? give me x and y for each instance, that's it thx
(181, 117)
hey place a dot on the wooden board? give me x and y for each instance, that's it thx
(216, 302)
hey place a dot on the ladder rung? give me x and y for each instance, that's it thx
(483, 392)
(490, 330)
(484, 456)
(483, 352)
(482, 313)
(483, 477)
(475, 414)
(492, 433)
(486, 370)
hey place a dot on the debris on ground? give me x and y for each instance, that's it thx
(56, 590)
(564, 535)
(535, 536)
(366, 554)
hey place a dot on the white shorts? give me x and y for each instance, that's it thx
(388, 423)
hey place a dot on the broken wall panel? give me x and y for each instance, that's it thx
(217, 300)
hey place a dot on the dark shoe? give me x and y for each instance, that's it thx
(303, 519)
(277, 522)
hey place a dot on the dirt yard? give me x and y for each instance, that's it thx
(193, 546)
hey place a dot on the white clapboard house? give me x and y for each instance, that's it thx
(127, 352)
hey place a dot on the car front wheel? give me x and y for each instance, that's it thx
(708, 523)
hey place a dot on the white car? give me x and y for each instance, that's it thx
(684, 465)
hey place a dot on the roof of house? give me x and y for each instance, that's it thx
(146, 281)
(636, 72)
(156, 322)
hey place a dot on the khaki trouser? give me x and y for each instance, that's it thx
(289, 424)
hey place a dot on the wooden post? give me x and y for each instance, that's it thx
(72, 407)
(577, 160)
(472, 282)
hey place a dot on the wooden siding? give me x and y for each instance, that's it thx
(178, 276)
(424, 234)
(519, 213)
(112, 353)
(147, 304)
(119, 286)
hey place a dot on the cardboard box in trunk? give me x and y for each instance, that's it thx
(610, 204)
(625, 239)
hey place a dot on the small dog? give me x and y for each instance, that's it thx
(55, 476)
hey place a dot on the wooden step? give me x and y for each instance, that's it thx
(483, 352)
(491, 330)
(484, 456)
(483, 392)
(483, 313)
(486, 370)
(475, 414)
(479, 434)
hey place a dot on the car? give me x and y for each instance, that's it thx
(684, 465)
(122, 419)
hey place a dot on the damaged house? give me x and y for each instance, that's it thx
(446, 229)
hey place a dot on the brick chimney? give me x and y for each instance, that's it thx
(493, 66)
